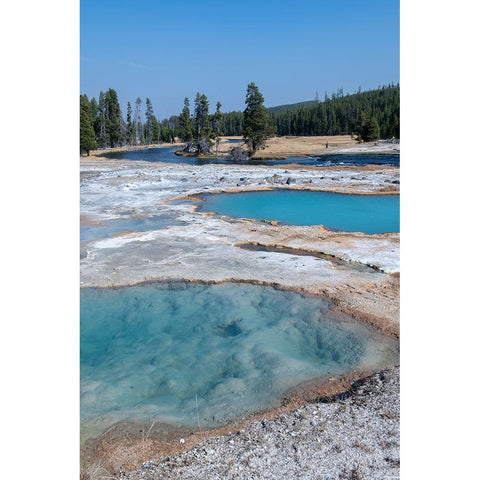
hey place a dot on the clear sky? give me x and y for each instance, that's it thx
(169, 50)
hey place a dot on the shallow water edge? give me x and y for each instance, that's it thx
(135, 443)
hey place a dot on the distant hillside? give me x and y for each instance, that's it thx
(291, 107)
(372, 114)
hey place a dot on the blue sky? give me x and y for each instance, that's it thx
(291, 49)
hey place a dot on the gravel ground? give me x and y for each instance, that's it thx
(352, 436)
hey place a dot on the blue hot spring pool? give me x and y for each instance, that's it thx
(184, 353)
(351, 213)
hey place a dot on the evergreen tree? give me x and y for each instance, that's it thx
(185, 129)
(93, 110)
(130, 125)
(217, 125)
(114, 118)
(155, 130)
(149, 121)
(101, 121)
(87, 133)
(201, 119)
(370, 130)
(166, 135)
(257, 126)
(138, 121)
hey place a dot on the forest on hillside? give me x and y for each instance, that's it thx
(369, 115)
(362, 113)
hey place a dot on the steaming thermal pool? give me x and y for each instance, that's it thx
(350, 213)
(154, 352)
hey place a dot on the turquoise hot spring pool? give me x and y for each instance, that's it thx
(187, 353)
(335, 211)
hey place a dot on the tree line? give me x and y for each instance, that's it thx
(369, 115)
(102, 124)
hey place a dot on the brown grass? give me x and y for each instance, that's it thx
(291, 146)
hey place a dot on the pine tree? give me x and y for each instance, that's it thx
(155, 130)
(371, 130)
(201, 120)
(101, 121)
(185, 130)
(87, 133)
(149, 121)
(138, 121)
(256, 120)
(217, 125)
(114, 118)
(130, 125)
(93, 110)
